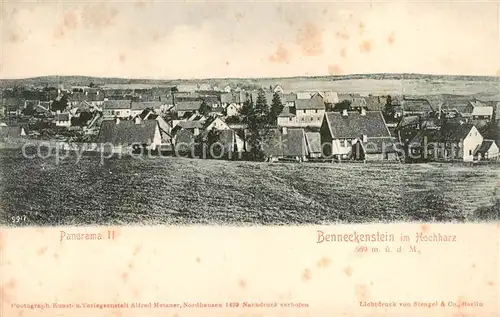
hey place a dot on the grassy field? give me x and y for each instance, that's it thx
(189, 191)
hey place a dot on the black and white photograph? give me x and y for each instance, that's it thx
(249, 113)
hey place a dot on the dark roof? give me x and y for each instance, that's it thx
(187, 105)
(190, 124)
(293, 143)
(484, 147)
(416, 105)
(375, 103)
(354, 125)
(117, 104)
(310, 104)
(183, 136)
(451, 132)
(141, 105)
(127, 132)
(313, 142)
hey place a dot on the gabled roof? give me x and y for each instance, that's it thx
(186, 105)
(358, 102)
(190, 124)
(484, 147)
(117, 104)
(293, 143)
(310, 104)
(375, 103)
(355, 125)
(451, 132)
(419, 105)
(127, 132)
(141, 105)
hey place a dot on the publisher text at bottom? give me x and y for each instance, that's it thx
(159, 305)
(414, 304)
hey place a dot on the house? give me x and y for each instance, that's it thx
(186, 107)
(183, 142)
(453, 141)
(195, 127)
(287, 117)
(488, 150)
(216, 123)
(165, 128)
(233, 109)
(358, 103)
(117, 108)
(309, 112)
(329, 97)
(287, 144)
(356, 135)
(129, 134)
(137, 107)
(63, 119)
(482, 113)
(278, 89)
(413, 106)
(289, 99)
(227, 89)
(375, 103)
(303, 95)
(12, 132)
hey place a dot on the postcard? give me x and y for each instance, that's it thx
(237, 158)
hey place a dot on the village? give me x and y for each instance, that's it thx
(258, 123)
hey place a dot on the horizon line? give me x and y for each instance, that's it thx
(248, 78)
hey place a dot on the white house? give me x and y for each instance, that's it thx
(278, 89)
(63, 119)
(227, 88)
(233, 109)
(309, 112)
(117, 108)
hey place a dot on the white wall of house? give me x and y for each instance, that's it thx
(217, 124)
(232, 110)
(470, 143)
(63, 123)
(287, 122)
(310, 116)
(119, 113)
(493, 152)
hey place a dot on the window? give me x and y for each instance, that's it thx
(304, 111)
(470, 152)
(342, 143)
(349, 142)
(312, 118)
(315, 111)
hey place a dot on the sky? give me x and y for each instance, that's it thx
(209, 39)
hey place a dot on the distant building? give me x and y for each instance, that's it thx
(357, 135)
(488, 150)
(117, 108)
(456, 141)
(63, 119)
(278, 89)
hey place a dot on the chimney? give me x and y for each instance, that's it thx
(365, 138)
(363, 111)
(117, 120)
(344, 113)
(285, 131)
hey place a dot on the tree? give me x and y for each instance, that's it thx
(389, 111)
(60, 104)
(256, 117)
(276, 108)
(204, 108)
(341, 106)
